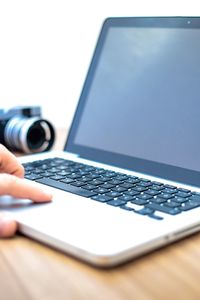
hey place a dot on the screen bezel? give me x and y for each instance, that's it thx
(156, 169)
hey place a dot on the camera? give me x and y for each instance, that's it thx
(22, 129)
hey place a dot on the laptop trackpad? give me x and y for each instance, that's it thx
(73, 221)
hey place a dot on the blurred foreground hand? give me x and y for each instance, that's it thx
(13, 184)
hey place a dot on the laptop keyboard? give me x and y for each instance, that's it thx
(131, 193)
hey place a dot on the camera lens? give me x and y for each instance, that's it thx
(29, 134)
(35, 136)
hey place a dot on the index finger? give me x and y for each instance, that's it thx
(20, 188)
(9, 163)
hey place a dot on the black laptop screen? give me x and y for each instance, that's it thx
(140, 106)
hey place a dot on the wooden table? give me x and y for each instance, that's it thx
(30, 270)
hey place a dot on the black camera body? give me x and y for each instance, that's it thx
(23, 129)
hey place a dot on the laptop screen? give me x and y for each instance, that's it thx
(140, 104)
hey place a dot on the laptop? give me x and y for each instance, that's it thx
(128, 179)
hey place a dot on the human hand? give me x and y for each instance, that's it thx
(12, 183)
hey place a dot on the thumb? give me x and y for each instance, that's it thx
(8, 226)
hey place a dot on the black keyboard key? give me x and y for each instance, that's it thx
(78, 183)
(140, 188)
(99, 171)
(115, 182)
(165, 196)
(119, 189)
(28, 167)
(93, 176)
(164, 209)
(101, 198)
(196, 193)
(121, 177)
(126, 198)
(182, 194)
(74, 176)
(63, 173)
(33, 176)
(27, 173)
(61, 160)
(96, 182)
(78, 166)
(104, 179)
(34, 164)
(158, 200)
(139, 201)
(82, 173)
(89, 187)
(67, 180)
(180, 199)
(89, 169)
(157, 187)
(116, 202)
(46, 174)
(113, 194)
(62, 167)
(194, 198)
(144, 183)
(132, 180)
(189, 205)
(184, 190)
(145, 211)
(66, 187)
(84, 179)
(157, 183)
(132, 193)
(53, 170)
(169, 186)
(144, 196)
(169, 191)
(152, 192)
(38, 171)
(101, 190)
(57, 177)
(71, 170)
(171, 204)
(109, 174)
(107, 185)
(127, 185)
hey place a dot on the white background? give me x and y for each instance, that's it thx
(46, 47)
